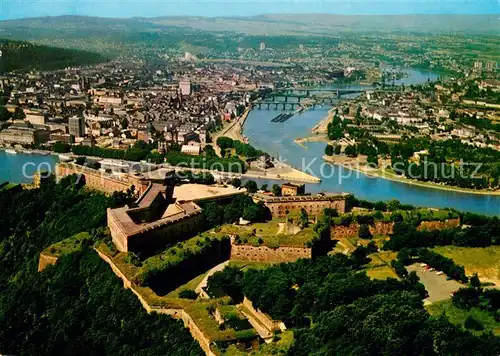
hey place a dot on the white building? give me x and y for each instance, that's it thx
(185, 87)
(191, 150)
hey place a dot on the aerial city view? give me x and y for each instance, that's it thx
(250, 178)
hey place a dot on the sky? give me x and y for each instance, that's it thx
(14, 9)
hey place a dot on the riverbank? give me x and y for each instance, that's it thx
(322, 126)
(24, 151)
(319, 131)
(318, 138)
(386, 174)
(283, 172)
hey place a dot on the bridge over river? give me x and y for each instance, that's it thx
(314, 96)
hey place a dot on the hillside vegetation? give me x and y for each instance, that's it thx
(77, 307)
(18, 55)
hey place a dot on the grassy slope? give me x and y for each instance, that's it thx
(483, 261)
(457, 316)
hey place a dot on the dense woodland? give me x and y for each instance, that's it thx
(335, 308)
(481, 231)
(18, 55)
(242, 149)
(77, 307)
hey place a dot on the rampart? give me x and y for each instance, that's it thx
(176, 313)
(98, 180)
(439, 225)
(264, 319)
(313, 204)
(378, 228)
(46, 260)
(248, 253)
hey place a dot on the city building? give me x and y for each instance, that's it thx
(290, 189)
(61, 136)
(24, 133)
(185, 87)
(35, 117)
(192, 150)
(77, 126)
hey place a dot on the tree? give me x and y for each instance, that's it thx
(359, 255)
(236, 182)
(372, 160)
(474, 281)
(188, 294)
(251, 186)
(472, 323)
(61, 147)
(364, 232)
(18, 114)
(380, 205)
(4, 113)
(329, 150)
(337, 149)
(351, 151)
(264, 187)
(225, 142)
(256, 212)
(214, 214)
(303, 219)
(276, 190)
(393, 205)
(80, 160)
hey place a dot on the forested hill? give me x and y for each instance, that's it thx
(78, 307)
(18, 55)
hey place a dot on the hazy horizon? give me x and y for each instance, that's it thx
(15, 9)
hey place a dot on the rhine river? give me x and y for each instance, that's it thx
(20, 167)
(278, 140)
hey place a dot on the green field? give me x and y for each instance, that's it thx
(269, 234)
(382, 272)
(485, 261)
(68, 245)
(457, 316)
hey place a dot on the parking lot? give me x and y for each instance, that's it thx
(437, 286)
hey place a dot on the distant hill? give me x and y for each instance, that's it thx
(329, 24)
(272, 24)
(19, 55)
(115, 36)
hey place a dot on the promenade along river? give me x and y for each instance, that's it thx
(278, 140)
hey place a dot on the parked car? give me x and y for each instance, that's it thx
(440, 273)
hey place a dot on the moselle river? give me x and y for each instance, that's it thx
(278, 140)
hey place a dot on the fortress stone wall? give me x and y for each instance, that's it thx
(263, 318)
(266, 254)
(378, 228)
(46, 260)
(176, 313)
(314, 205)
(439, 225)
(101, 181)
(280, 209)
